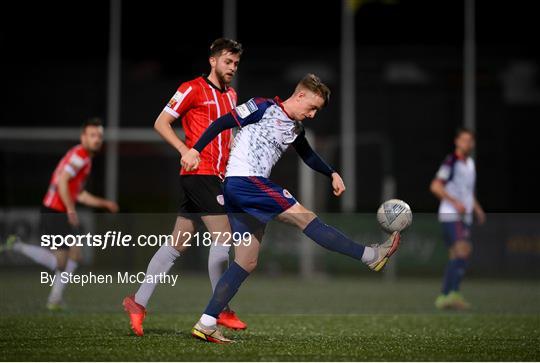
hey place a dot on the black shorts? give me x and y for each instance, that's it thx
(53, 222)
(200, 195)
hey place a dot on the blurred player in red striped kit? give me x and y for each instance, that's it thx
(197, 103)
(58, 212)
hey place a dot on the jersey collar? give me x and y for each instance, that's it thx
(279, 102)
(222, 90)
(460, 157)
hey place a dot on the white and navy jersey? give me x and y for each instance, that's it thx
(262, 140)
(266, 131)
(459, 178)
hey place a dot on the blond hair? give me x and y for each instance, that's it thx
(314, 84)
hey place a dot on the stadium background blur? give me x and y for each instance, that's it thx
(409, 94)
(410, 80)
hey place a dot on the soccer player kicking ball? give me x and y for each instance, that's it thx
(58, 213)
(267, 128)
(454, 185)
(197, 102)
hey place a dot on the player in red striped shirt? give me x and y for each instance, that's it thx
(197, 103)
(58, 213)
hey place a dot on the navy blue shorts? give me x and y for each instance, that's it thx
(456, 231)
(252, 201)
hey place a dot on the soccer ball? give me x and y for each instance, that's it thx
(394, 215)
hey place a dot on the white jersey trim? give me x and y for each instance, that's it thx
(171, 112)
(181, 99)
(218, 109)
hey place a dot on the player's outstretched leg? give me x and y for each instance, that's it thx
(374, 256)
(161, 263)
(218, 262)
(37, 254)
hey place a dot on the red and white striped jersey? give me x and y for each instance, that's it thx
(77, 163)
(199, 103)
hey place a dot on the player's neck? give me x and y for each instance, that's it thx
(212, 77)
(460, 154)
(288, 108)
(89, 152)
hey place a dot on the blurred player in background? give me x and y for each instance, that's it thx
(454, 185)
(197, 103)
(58, 212)
(267, 128)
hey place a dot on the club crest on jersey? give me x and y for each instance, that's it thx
(246, 109)
(220, 199)
(287, 194)
(174, 100)
(392, 212)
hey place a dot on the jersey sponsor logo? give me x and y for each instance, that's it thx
(220, 199)
(212, 102)
(246, 109)
(174, 100)
(287, 194)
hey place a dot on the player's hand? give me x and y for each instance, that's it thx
(111, 206)
(73, 218)
(460, 208)
(480, 215)
(337, 184)
(190, 160)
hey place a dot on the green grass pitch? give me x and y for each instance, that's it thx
(323, 319)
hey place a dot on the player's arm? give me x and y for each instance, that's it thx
(245, 114)
(163, 126)
(190, 160)
(94, 201)
(65, 196)
(315, 162)
(438, 189)
(479, 212)
(180, 103)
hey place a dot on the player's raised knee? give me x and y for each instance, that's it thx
(297, 215)
(462, 249)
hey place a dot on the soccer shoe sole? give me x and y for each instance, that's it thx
(393, 248)
(128, 305)
(207, 338)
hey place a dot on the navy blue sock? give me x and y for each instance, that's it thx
(225, 289)
(332, 239)
(460, 265)
(448, 278)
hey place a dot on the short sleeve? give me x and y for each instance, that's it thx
(181, 101)
(77, 161)
(446, 170)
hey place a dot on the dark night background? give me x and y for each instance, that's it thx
(54, 69)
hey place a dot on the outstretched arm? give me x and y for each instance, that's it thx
(315, 162)
(190, 160)
(245, 114)
(94, 201)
